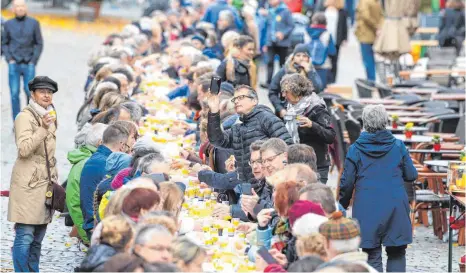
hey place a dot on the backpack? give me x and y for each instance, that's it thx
(318, 49)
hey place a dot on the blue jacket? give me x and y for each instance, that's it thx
(316, 32)
(279, 19)
(377, 166)
(22, 40)
(213, 10)
(93, 172)
(180, 91)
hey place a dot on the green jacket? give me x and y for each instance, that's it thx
(77, 157)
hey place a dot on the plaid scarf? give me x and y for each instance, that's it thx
(282, 236)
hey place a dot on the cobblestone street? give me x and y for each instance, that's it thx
(65, 60)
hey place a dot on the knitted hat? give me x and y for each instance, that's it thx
(302, 207)
(339, 228)
(199, 38)
(227, 87)
(301, 48)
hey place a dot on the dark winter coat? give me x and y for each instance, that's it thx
(342, 27)
(22, 40)
(377, 166)
(265, 200)
(320, 135)
(275, 95)
(96, 256)
(452, 27)
(261, 123)
(242, 73)
(279, 19)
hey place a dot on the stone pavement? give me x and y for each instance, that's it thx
(64, 60)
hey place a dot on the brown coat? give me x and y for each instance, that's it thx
(29, 177)
(369, 18)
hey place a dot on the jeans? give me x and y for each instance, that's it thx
(323, 172)
(369, 61)
(282, 52)
(26, 247)
(15, 71)
(396, 261)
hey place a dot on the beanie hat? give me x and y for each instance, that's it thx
(302, 207)
(339, 228)
(199, 38)
(227, 87)
(301, 48)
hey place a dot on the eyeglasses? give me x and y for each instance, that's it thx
(270, 159)
(160, 248)
(252, 163)
(240, 97)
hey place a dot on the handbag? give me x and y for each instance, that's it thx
(55, 195)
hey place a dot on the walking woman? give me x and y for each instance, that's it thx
(34, 126)
(377, 165)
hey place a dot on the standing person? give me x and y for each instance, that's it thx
(239, 69)
(22, 45)
(115, 139)
(322, 47)
(369, 17)
(280, 25)
(377, 166)
(298, 62)
(257, 122)
(308, 120)
(212, 12)
(35, 129)
(337, 25)
(451, 29)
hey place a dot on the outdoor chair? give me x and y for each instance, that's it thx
(345, 102)
(354, 129)
(328, 98)
(408, 99)
(445, 123)
(365, 88)
(432, 105)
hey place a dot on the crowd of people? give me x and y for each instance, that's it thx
(267, 168)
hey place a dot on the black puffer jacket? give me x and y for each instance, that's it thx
(96, 257)
(320, 135)
(261, 123)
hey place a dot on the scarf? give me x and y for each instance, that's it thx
(298, 109)
(41, 111)
(282, 235)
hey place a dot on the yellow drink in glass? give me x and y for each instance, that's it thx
(235, 222)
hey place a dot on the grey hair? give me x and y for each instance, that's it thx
(277, 145)
(145, 145)
(148, 160)
(296, 84)
(345, 246)
(129, 30)
(186, 250)
(95, 134)
(228, 38)
(374, 118)
(228, 16)
(191, 52)
(135, 110)
(321, 194)
(251, 92)
(147, 232)
(140, 39)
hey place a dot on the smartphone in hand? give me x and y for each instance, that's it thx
(215, 83)
(246, 188)
(268, 258)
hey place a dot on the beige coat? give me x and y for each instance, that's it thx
(29, 178)
(369, 18)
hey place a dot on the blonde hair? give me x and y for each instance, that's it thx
(339, 4)
(172, 197)
(312, 244)
(116, 232)
(110, 100)
(115, 203)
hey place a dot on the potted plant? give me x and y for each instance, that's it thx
(436, 141)
(463, 155)
(408, 130)
(394, 121)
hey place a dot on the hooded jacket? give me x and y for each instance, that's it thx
(278, 102)
(320, 32)
(77, 158)
(260, 123)
(377, 166)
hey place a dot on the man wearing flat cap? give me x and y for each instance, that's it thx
(35, 129)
